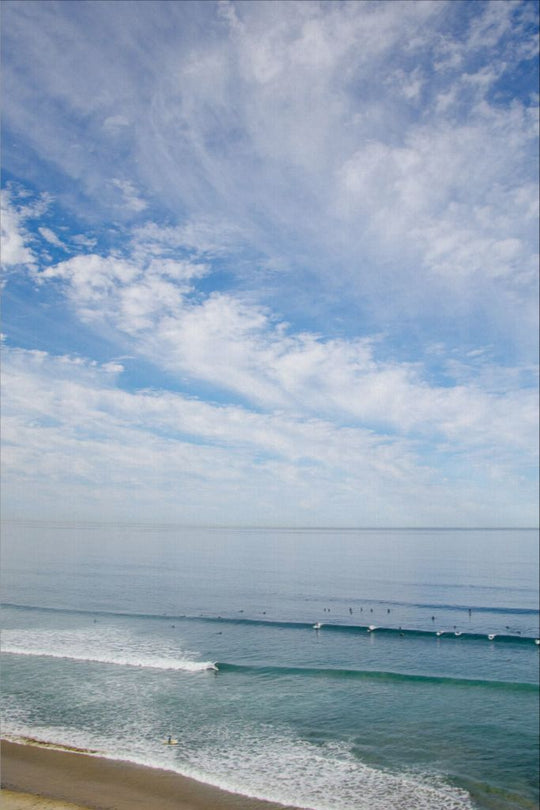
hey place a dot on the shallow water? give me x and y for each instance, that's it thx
(111, 635)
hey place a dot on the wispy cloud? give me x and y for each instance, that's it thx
(70, 430)
(240, 347)
(130, 197)
(15, 250)
(318, 222)
(51, 237)
(323, 132)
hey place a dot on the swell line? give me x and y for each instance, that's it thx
(515, 638)
(438, 634)
(357, 674)
(281, 671)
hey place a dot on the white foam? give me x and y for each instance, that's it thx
(264, 762)
(103, 646)
(276, 767)
(272, 765)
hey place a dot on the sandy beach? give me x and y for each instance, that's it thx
(12, 800)
(48, 779)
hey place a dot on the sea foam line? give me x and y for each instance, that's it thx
(328, 778)
(182, 665)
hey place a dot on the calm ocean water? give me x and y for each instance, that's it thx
(115, 637)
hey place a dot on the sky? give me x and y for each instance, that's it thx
(270, 263)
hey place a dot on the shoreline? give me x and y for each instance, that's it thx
(91, 782)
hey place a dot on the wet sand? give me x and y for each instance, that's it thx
(9, 800)
(32, 773)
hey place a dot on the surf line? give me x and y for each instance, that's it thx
(403, 631)
(358, 674)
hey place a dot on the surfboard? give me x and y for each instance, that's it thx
(172, 741)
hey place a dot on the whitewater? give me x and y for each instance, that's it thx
(328, 669)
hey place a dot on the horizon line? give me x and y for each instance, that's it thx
(300, 527)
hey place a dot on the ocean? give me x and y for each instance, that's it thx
(330, 669)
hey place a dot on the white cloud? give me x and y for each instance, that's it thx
(366, 148)
(237, 346)
(51, 237)
(73, 437)
(131, 295)
(177, 450)
(83, 241)
(381, 175)
(131, 198)
(14, 238)
(205, 237)
(439, 196)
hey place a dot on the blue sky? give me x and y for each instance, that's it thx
(271, 263)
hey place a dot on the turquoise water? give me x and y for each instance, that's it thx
(117, 636)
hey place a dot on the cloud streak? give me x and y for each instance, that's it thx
(68, 428)
(309, 229)
(239, 347)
